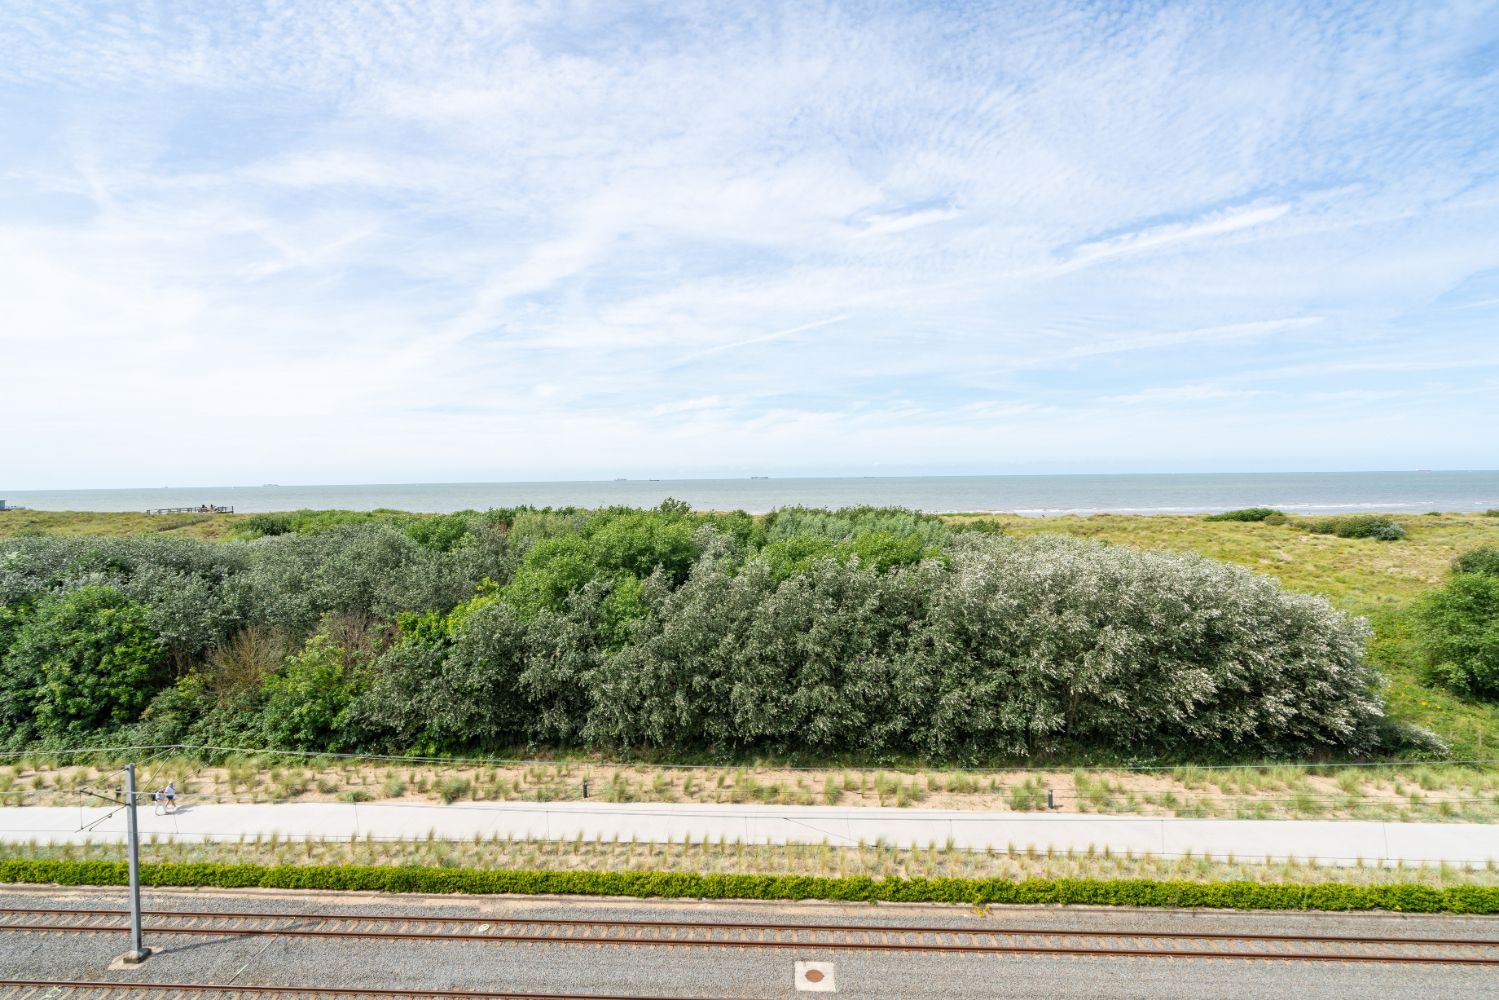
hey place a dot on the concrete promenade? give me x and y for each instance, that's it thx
(1327, 841)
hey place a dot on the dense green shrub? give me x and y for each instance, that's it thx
(788, 557)
(1356, 526)
(1483, 561)
(1011, 647)
(83, 660)
(616, 545)
(1032, 645)
(12, 617)
(307, 700)
(851, 522)
(1457, 632)
(730, 659)
(193, 591)
(263, 525)
(877, 632)
(1005, 647)
(882, 550)
(449, 682)
(1337, 897)
(1244, 514)
(370, 570)
(311, 522)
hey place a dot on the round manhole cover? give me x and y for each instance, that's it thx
(816, 977)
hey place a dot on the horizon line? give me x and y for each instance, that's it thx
(742, 478)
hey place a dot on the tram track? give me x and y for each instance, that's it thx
(974, 939)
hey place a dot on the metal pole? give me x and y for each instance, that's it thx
(138, 952)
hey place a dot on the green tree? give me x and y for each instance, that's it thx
(85, 660)
(307, 700)
(1457, 630)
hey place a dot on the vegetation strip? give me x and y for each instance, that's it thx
(887, 633)
(1090, 892)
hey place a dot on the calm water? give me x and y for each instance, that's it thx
(1037, 496)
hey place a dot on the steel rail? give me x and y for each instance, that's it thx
(361, 991)
(797, 941)
(689, 925)
(907, 947)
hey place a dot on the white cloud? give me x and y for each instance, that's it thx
(886, 224)
(1183, 394)
(1156, 237)
(474, 240)
(763, 338)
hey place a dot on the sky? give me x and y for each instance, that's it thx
(443, 241)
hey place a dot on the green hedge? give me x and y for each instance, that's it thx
(1356, 526)
(1091, 892)
(1244, 514)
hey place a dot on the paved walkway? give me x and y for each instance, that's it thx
(1329, 841)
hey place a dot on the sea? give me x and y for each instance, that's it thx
(1030, 496)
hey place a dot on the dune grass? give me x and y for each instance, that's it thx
(209, 527)
(1360, 575)
(1405, 793)
(878, 860)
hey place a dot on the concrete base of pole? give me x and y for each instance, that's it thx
(135, 957)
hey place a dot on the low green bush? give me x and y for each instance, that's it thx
(264, 525)
(1244, 514)
(1357, 526)
(1051, 892)
(453, 789)
(1457, 633)
(1483, 560)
